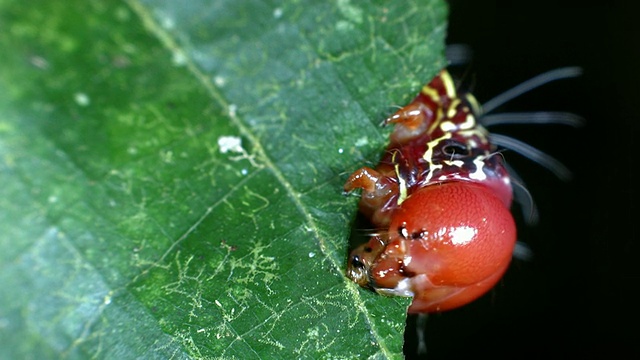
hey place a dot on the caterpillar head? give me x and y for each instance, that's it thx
(447, 245)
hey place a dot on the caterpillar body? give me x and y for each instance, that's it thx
(441, 197)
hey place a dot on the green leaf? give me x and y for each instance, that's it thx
(172, 174)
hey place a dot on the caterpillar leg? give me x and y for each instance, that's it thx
(410, 122)
(378, 193)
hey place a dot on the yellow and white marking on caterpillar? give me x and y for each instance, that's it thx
(431, 93)
(402, 185)
(428, 155)
(478, 174)
(469, 122)
(448, 84)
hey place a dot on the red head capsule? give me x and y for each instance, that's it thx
(447, 245)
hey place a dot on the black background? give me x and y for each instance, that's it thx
(575, 297)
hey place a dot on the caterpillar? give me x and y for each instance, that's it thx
(441, 197)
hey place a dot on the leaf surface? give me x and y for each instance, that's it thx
(172, 174)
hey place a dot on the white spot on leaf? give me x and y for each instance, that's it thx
(351, 12)
(81, 99)
(179, 58)
(230, 143)
(232, 110)
(362, 141)
(39, 62)
(219, 80)
(166, 21)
